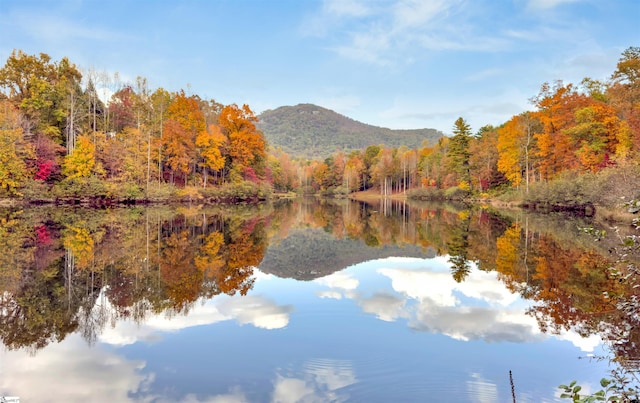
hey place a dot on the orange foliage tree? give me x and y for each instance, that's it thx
(556, 110)
(246, 143)
(184, 122)
(516, 142)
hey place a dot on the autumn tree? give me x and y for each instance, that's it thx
(211, 144)
(337, 168)
(598, 136)
(121, 109)
(408, 160)
(354, 172)
(516, 142)
(44, 92)
(13, 150)
(321, 178)
(183, 124)
(384, 171)
(135, 146)
(556, 111)
(160, 100)
(284, 172)
(432, 164)
(246, 143)
(81, 162)
(624, 92)
(369, 158)
(72, 101)
(483, 160)
(96, 109)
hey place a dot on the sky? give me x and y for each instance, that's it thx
(402, 64)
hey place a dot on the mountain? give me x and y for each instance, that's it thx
(311, 131)
(307, 254)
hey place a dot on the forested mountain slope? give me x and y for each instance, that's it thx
(312, 131)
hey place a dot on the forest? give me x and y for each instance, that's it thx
(59, 139)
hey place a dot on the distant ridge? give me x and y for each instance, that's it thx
(311, 131)
(311, 253)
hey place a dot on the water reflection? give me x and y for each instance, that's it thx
(321, 380)
(431, 300)
(72, 279)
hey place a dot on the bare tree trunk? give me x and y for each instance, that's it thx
(70, 129)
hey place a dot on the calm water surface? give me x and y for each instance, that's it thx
(303, 301)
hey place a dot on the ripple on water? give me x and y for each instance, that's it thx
(377, 381)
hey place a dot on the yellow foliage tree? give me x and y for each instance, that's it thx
(81, 163)
(13, 150)
(210, 143)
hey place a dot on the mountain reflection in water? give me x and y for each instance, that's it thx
(301, 301)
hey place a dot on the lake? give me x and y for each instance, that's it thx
(302, 301)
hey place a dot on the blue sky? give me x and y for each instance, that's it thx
(393, 63)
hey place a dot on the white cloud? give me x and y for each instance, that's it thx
(587, 344)
(424, 292)
(484, 286)
(258, 311)
(101, 375)
(476, 323)
(335, 374)
(421, 284)
(385, 306)
(339, 280)
(71, 359)
(370, 46)
(393, 33)
(291, 390)
(319, 382)
(481, 390)
(236, 395)
(329, 294)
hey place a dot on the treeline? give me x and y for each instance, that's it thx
(578, 129)
(58, 137)
(55, 129)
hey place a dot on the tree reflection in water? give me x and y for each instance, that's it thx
(81, 270)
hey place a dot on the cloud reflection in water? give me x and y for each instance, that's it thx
(424, 292)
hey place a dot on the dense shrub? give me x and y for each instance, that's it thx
(456, 193)
(341, 191)
(429, 193)
(36, 190)
(605, 188)
(308, 190)
(80, 187)
(244, 190)
(615, 183)
(126, 190)
(162, 192)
